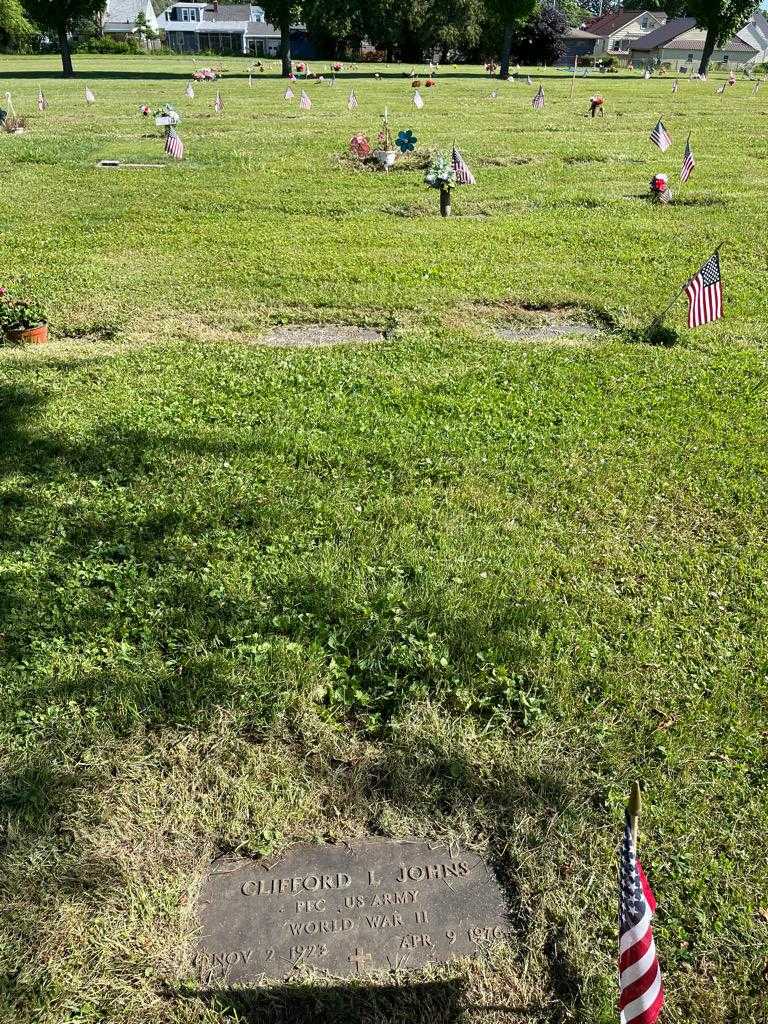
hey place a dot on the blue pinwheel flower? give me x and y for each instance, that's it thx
(406, 141)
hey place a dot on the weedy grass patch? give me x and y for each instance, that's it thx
(439, 585)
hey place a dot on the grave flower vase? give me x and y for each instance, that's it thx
(27, 335)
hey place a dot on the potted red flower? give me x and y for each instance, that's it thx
(22, 320)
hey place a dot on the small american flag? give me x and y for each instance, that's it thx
(756, 87)
(463, 174)
(494, 94)
(647, 74)
(641, 993)
(218, 104)
(352, 103)
(688, 162)
(674, 86)
(190, 92)
(665, 196)
(721, 90)
(288, 94)
(42, 102)
(528, 80)
(418, 100)
(250, 80)
(660, 137)
(705, 294)
(538, 99)
(89, 97)
(304, 101)
(174, 147)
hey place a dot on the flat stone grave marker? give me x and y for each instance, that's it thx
(346, 910)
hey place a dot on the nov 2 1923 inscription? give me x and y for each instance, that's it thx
(346, 910)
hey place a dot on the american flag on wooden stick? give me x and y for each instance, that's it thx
(528, 80)
(647, 74)
(352, 103)
(42, 102)
(721, 90)
(189, 91)
(538, 99)
(688, 162)
(218, 104)
(705, 293)
(463, 174)
(660, 137)
(89, 96)
(674, 86)
(641, 991)
(418, 100)
(288, 94)
(174, 147)
(304, 101)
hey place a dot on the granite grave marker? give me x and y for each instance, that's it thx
(346, 910)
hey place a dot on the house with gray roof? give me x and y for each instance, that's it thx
(125, 19)
(755, 32)
(223, 28)
(680, 44)
(617, 30)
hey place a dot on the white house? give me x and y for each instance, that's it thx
(120, 18)
(755, 32)
(617, 31)
(680, 44)
(225, 28)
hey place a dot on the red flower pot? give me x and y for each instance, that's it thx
(27, 335)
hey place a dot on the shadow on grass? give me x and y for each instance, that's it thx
(439, 1002)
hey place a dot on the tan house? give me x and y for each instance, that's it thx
(616, 32)
(680, 44)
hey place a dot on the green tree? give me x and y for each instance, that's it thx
(60, 17)
(721, 18)
(506, 14)
(283, 13)
(14, 27)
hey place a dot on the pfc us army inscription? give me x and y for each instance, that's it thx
(346, 910)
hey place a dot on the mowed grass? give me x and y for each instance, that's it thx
(446, 586)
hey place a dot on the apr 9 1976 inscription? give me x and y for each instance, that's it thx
(346, 910)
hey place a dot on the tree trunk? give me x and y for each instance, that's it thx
(285, 44)
(709, 49)
(66, 55)
(506, 47)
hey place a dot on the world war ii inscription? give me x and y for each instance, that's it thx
(346, 910)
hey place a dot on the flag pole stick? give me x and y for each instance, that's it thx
(634, 806)
(573, 77)
(660, 316)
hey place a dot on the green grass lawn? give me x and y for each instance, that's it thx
(445, 586)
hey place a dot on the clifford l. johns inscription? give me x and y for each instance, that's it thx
(346, 910)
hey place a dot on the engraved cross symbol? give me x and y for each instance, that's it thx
(359, 959)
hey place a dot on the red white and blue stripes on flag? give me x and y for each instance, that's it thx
(660, 137)
(463, 174)
(174, 147)
(705, 293)
(641, 993)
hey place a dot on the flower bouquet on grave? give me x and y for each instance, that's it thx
(336, 67)
(596, 106)
(204, 75)
(166, 116)
(22, 320)
(441, 175)
(660, 190)
(490, 67)
(385, 154)
(360, 146)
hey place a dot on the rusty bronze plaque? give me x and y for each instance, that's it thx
(346, 910)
